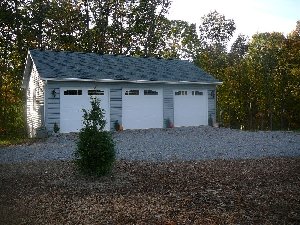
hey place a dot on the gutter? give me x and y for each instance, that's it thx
(132, 81)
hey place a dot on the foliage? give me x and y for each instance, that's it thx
(55, 128)
(11, 58)
(95, 152)
(116, 27)
(7, 140)
(260, 76)
(117, 125)
(216, 30)
(210, 121)
(180, 40)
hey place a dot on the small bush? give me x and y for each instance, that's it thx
(117, 125)
(55, 128)
(95, 153)
(210, 121)
(169, 124)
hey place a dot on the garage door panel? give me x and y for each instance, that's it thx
(142, 108)
(190, 108)
(72, 103)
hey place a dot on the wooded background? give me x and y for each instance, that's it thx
(261, 74)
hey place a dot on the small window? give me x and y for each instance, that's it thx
(132, 92)
(180, 92)
(95, 92)
(73, 92)
(150, 92)
(197, 93)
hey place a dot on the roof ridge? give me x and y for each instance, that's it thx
(106, 54)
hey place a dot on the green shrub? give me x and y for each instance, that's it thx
(117, 125)
(95, 152)
(55, 128)
(210, 121)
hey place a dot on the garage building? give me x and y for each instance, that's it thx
(138, 92)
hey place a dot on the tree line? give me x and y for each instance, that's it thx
(261, 75)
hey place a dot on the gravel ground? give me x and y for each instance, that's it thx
(210, 192)
(177, 144)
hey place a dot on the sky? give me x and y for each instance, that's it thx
(250, 16)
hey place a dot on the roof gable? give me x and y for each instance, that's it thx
(63, 65)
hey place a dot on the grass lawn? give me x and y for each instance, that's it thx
(13, 140)
(265, 191)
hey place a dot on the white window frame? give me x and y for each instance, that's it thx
(95, 92)
(150, 92)
(181, 93)
(78, 92)
(197, 93)
(133, 92)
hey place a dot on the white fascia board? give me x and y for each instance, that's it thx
(130, 81)
(199, 82)
(26, 73)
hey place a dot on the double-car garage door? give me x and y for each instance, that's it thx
(142, 108)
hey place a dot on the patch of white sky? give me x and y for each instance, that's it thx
(250, 16)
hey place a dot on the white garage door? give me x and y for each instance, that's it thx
(142, 108)
(73, 100)
(190, 108)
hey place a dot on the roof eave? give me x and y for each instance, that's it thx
(131, 81)
(27, 70)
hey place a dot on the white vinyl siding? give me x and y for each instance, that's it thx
(35, 103)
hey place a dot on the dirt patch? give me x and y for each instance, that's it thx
(264, 191)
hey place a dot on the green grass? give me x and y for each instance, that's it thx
(8, 140)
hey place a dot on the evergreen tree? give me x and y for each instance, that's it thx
(95, 153)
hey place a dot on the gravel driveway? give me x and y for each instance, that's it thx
(189, 143)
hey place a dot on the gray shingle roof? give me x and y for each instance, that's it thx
(60, 65)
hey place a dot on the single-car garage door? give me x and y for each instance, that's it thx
(190, 108)
(73, 100)
(142, 108)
